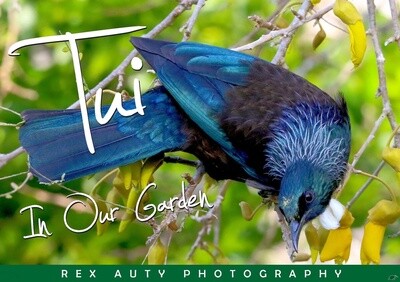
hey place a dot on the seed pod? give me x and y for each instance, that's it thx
(247, 211)
(318, 38)
(384, 212)
(157, 253)
(392, 157)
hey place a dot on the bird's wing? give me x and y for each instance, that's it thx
(198, 76)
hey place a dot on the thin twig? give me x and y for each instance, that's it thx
(15, 187)
(217, 227)
(374, 177)
(7, 85)
(188, 26)
(5, 124)
(12, 176)
(279, 9)
(380, 60)
(208, 219)
(5, 158)
(121, 79)
(369, 139)
(363, 147)
(285, 31)
(365, 186)
(395, 23)
(177, 214)
(261, 23)
(284, 45)
(9, 110)
(397, 234)
(55, 199)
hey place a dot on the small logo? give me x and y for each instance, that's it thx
(393, 277)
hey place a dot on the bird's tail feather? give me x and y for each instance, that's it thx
(57, 149)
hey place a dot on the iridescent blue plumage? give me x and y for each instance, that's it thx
(244, 118)
(57, 148)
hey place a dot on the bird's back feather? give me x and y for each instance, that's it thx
(198, 76)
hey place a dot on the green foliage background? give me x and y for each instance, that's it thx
(221, 23)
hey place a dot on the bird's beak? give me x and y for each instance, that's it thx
(295, 228)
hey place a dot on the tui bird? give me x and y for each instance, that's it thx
(244, 118)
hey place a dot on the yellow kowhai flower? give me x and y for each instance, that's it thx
(349, 15)
(392, 157)
(338, 242)
(316, 238)
(385, 212)
(157, 253)
(332, 240)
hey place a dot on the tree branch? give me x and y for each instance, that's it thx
(365, 186)
(7, 85)
(5, 158)
(279, 57)
(208, 219)
(363, 147)
(285, 31)
(171, 218)
(380, 61)
(188, 26)
(395, 23)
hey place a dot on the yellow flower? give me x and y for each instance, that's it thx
(349, 15)
(332, 240)
(316, 238)
(385, 212)
(157, 253)
(338, 243)
(337, 246)
(371, 243)
(392, 157)
(358, 42)
(346, 11)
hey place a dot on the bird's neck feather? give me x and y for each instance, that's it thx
(307, 134)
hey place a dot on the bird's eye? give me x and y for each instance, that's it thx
(309, 196)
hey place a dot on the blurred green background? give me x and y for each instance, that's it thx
(48, 71)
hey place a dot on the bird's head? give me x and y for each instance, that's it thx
(304, 194)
